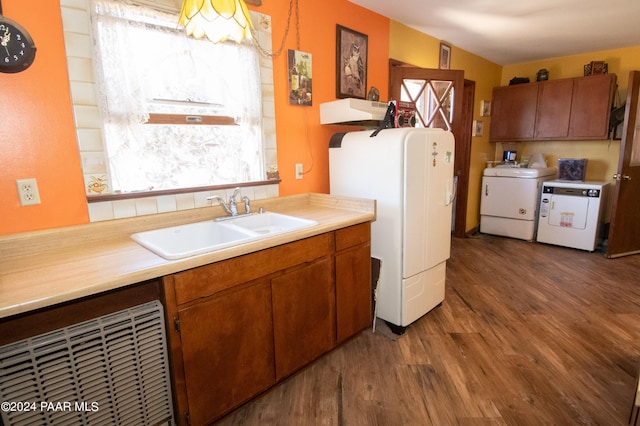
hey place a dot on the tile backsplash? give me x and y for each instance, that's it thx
(120, 209)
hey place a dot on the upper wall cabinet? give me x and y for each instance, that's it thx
(565, 109)
(513, 112)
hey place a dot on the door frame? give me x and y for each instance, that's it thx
(461, 129)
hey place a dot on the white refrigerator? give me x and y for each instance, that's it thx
(409, 172)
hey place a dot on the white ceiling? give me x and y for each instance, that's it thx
(515, 31)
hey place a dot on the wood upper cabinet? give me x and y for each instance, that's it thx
(591, 106)
(564, 109)
(553, 109)
(513, 112)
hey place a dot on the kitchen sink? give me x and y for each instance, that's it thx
(181, 241)
(271, 223)
(177, 242)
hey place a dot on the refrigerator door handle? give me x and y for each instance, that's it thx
(452, 193)
(486, 189)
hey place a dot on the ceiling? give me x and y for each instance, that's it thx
(508, 32)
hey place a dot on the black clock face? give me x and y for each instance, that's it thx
(17, 50)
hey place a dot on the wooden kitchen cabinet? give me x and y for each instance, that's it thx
(227, 349)
(565, 109)
(591, 106)
(353, 280)
(513, 112)
(303, 316)
(242, 324)
(553, 109)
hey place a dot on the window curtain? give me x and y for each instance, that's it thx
(143, 64)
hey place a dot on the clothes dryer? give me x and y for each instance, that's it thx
(570, 213)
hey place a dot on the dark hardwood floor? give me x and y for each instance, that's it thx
(528, 334)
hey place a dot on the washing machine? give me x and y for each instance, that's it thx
(510, 198)
(571, 213)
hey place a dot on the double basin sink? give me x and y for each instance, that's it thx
(181, 241)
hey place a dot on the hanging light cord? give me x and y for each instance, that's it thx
(286, 32)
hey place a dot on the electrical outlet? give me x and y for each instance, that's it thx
(299, 171)
(28, 192)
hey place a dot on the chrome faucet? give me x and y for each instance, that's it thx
(247, 204)
(231, 207)
(221, 202)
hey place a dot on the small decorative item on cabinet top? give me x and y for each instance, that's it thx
(518, 80)
(543, 75)
(596, 67)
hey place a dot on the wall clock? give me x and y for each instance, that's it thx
(17, 50)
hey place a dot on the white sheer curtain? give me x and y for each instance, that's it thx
(144, 65)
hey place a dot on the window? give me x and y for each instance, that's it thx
(433, 99)
(162, 97)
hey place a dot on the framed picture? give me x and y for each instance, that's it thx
(300, 78)
(485, 108)
(478, 128)
(445, 56)
(351, 63)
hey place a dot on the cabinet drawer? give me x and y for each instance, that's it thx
(353, 235)
(207, 280)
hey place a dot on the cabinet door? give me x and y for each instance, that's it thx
(227, 347)
(554, 107)
(513, 112)
(303, 315)
(353, 291)
(591, 106)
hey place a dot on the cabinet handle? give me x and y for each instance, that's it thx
(486, 189)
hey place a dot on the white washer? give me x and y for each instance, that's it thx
(571, 213)
(509, 200)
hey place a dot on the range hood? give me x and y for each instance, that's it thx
(352, 111)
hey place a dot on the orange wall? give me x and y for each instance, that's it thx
(38, 139)
(37, 135)
(301, 138)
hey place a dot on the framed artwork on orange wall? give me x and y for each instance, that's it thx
(300, 78)
(351, 63)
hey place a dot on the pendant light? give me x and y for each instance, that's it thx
(222, 20)
(218, 20)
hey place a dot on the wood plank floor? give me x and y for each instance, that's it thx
(528, 334)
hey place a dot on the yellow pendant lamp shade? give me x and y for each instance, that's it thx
(219, 20)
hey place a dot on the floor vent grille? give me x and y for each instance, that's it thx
(111, 370)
